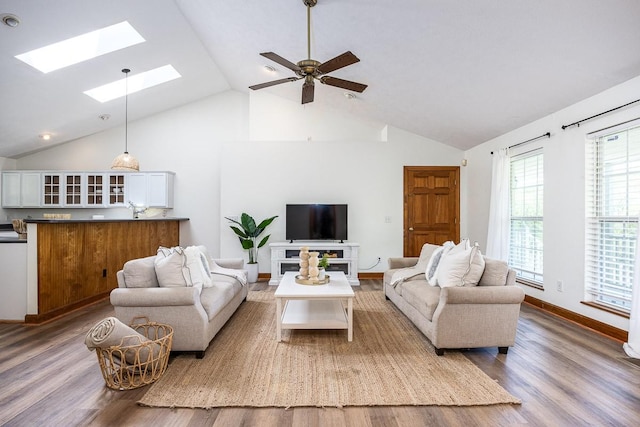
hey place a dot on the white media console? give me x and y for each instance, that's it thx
(285, 256)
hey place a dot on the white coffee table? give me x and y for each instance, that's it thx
(314, 306)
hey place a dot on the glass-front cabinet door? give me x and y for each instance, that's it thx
(51, 189)
(73, 190)
(96, 189)
(116, 190)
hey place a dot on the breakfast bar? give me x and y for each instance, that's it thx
(71, 263)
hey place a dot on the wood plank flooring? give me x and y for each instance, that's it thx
(564, 374)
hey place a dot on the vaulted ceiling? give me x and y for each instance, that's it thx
(459, 72)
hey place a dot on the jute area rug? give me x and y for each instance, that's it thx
(389, 362)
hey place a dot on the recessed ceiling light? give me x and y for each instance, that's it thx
(10, 20)
(104, 117)
(136, 83)
(349, 95)
(45, 136)
(81, 48)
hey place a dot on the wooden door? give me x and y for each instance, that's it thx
(431, 206)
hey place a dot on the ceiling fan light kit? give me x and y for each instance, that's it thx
(310, 69)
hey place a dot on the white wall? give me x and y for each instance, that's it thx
(349, 161)
(564, 205)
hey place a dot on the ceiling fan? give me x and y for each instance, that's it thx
(310, 69)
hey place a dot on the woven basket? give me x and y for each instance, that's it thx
(125, 367)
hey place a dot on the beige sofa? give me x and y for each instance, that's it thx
(458, 317)
(195, 315)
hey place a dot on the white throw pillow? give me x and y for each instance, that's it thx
(170, 265)
(197, 267)
(431, 272)
(461, 267)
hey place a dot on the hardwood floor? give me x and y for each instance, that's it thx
(564, 374)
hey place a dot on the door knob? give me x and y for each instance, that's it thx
(410, 228)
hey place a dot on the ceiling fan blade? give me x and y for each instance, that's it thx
(280, 60)
(307, 92)
(338, 62)
(344, 84)
(273, 83)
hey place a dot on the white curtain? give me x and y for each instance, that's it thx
(498, 230)
(632, 346)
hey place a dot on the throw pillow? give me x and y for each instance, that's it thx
(431, 272)
(462, 267)
(140, 273)
(197, 267)
(170, 265)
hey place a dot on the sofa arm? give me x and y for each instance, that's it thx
(154, 297)
(482, 295)
(402, 262)
(235, 263)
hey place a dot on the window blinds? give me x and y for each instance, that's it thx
(612, 207)
(526, 210)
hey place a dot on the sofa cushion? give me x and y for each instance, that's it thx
(461, 267)
(140, 273)
(495, 273)
(421, 296)
(216, 297)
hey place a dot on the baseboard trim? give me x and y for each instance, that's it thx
(370, 275)
(579, 319)
(38, 319)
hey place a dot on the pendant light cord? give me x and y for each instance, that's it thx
(126, 110)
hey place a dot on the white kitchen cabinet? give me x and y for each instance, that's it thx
(21, 189)
(151, 189)
(86, 189)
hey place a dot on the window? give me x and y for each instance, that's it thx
(526, 204)
(612, 208)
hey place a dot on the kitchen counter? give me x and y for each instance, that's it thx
(85, 220)
(10, 237)
(70, 263)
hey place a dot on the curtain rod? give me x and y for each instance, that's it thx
(547, 135)
(598, 115)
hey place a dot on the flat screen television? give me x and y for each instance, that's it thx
(316, 222)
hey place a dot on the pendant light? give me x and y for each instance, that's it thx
(126, 161)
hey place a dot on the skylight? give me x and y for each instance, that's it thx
(81, 48)
(136, 83)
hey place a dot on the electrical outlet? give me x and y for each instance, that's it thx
(387, 219)
(559, 286)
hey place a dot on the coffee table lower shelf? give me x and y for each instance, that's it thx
(316, 314)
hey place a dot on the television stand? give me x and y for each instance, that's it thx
(285, 256)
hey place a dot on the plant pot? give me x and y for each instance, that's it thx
(252, 272)
(321, 273)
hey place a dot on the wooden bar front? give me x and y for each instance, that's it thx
(77, 261)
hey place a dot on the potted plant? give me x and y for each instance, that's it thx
(248, 233)
(322, 266)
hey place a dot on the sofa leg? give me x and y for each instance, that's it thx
(503, 350)
(439, 351)
(199, 354)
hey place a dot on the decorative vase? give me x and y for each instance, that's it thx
(252, 272)
(304, 262)
(321, 273)
(313, 265)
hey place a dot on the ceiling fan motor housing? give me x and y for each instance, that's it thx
(310, 3)
(308, 67)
